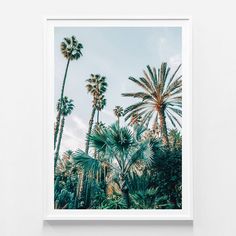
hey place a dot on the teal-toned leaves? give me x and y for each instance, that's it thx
(71, 48)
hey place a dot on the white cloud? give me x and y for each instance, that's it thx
(108, 113)
(72, 141)
(79, 123)
(74, 134)
(174, 61)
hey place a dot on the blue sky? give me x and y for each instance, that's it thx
(114, 52)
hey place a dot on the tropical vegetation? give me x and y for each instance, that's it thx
(134, 163)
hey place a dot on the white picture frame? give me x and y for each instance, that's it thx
(186, 213)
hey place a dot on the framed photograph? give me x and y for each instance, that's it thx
(117, 119)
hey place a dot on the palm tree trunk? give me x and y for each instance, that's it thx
(89, 130)
(62, 95)
(125, 192)
(77, 191)
(56, 129)
(97, 116)
(163, 127)
(155, 127)
(59, 142)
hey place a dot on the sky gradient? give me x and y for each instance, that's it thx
(114, 52)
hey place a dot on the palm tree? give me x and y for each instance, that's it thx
(121, 150)
(66, 106)
(71, 50)
(161, 97)
(175, 139)
(96, 86)
(119, 112)
(100, 104)
(66, 182)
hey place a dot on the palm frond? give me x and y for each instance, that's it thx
(139, 111)
(142, 95)
(138, 131)
(140, 84)
(88, 163)
(175, 119)
(99, 140)
(176, 110)
(173, 76)
(71, 48)
(143, 153)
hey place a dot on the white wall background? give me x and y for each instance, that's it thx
(214, 116)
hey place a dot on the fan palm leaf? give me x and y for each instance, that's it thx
(121, 149)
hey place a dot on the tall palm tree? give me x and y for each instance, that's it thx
(71, 50)
(96, 86)
(121, 150)
(161, 97)
(66, 107)
(119, 112)
(100, 104)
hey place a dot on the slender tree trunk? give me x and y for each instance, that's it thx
(125, 192)
(77, 191)
(56, 129)
(89, 130)
(98, 116)
(60, 108)
(59, 142)
(155, 127)
(163, 127)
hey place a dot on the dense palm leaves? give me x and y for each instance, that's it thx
(96, 86)
(119, 112)
(66, 180)
(100, 104)
(71, 50)
(67, 107)
(121, 150)
(161, 97)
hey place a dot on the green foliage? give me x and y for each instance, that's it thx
(71, 48)
(135, 166)
(96, 86)
(118, 111)
(66, 179)
(66, 106)
(144, 199)
(167, 175)
(143, 194)
(120, 149)
(161, 97)
(115, 202)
